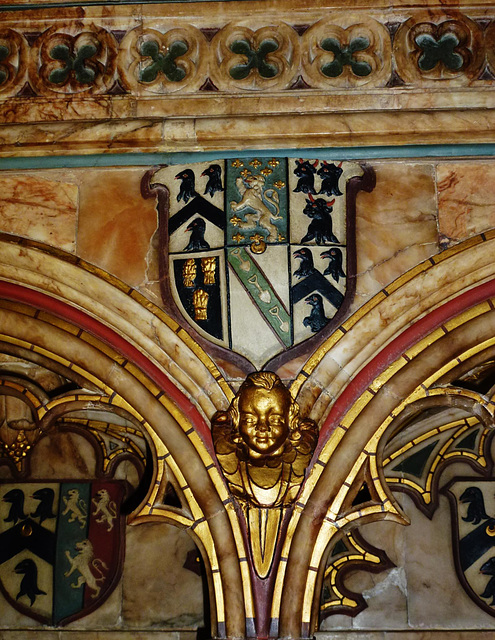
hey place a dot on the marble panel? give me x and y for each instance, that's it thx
(306, 129)
(387, 590)
(108, 615)
(12, 634)
(66, 138)
(10, 618)
(265, 130)
(421, 597)
(349, 635)
(63, 455)
(100, 634)
(116, 223)
(396, 311)
(120, 311)
(40, 209)
(18, 110)
(396, 225)
(435, 596)
(158, 590)
(406, 635)
(47, 380)
(150, 285)
(466, 199)
(126, 470)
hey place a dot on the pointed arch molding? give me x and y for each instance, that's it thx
(392, 352)
(432, 321)
(65, 311)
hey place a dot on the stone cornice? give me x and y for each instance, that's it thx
(192, 76)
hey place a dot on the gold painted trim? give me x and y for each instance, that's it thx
(34, 400)
(442, 455)
(425, 388)
(469, 422)
(151, 511)
(333, 569)
(282, 565)
(135, 295)
(94, 342)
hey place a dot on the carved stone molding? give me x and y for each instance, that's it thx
(343, 51)
(206, 77)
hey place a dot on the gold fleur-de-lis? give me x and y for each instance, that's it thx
(255, 163)
(238, 237)
(266, 171)
(281, 238)
(274, 163)
(245, 173)
(279, 184)
(257, 238)
(235, 221)
(237, 163)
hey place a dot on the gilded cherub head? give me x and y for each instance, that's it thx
(262, 428)
(264, 414)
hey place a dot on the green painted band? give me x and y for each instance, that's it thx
(335, 153)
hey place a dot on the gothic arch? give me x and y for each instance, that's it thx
(75, 319)
(403, 350)
(396, 350)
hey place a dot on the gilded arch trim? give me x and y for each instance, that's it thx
(72, 339)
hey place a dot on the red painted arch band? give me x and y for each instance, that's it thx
(356, 387)
(397, 347)
(65, 311)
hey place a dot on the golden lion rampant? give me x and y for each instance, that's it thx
(252, 195)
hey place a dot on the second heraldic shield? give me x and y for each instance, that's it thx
(258, 253)
(61, 546)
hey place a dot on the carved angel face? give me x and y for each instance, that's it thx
(264, 419)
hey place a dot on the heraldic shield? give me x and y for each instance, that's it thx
(61, 547)
(472, 502)
(256, 252)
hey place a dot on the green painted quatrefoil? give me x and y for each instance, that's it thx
(344, 55)
(439, 51)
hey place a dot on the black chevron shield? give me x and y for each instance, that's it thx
(61, 546)
(472, 502)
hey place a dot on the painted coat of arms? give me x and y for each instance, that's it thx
(61, 547)
(472, 502)
(257, 254)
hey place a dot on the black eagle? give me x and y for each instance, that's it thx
(16, 511)
(476, 507)
(29, 583)
(214, 184)
(334, 267)
(307, 266)
(44, 510)
(316, 319)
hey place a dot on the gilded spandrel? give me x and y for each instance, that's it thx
(262, 444)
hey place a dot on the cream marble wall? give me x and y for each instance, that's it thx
(418, 208)
(422, 592)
